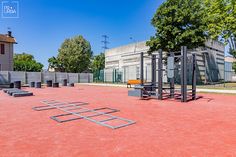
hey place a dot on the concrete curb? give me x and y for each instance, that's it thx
(103, 84)
(217, 91)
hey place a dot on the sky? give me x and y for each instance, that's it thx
(43, 25)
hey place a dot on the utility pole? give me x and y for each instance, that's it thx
(105, 42)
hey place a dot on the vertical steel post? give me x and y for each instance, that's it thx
(154, 69)
(194, 78)
(172, 81)
(141, 68)
(160, 75)
(183, 73)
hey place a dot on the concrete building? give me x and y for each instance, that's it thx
(6, 51)
(126, 60)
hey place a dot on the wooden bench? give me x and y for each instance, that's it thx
(133, 82)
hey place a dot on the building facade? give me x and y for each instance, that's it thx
(6, 51)
(126, 60)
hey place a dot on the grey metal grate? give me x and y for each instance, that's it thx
(77, 110)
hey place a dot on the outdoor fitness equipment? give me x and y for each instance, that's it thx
(155, 89)
(15, 92)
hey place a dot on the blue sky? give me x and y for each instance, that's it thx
(44, 24)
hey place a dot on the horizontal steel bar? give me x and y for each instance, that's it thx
(123, 125)
(62, 121)
(42, 108)
(105, 120)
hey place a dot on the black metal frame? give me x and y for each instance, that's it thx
(149, 90)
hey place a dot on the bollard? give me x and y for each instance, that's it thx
(49, 83)
(55, 85)
(17, 84)
(71, 84)
(38, 85)
(11, 85)
(64, 82)
(32, 84)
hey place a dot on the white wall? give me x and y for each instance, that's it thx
(6, 60)
(127, 58)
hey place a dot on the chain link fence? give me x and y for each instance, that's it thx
(108, 75)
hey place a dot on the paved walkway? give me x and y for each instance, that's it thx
(198, 89)
(217, 91)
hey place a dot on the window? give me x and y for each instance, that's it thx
(2, 49)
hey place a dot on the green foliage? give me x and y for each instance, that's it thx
(224, 24)
(221, 21)
(234, 66)
(74, 55)
(26, 62)
(23, 57)
(178, 23)
(98, 62)
(55, 64)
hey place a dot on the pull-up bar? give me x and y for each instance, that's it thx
(149, 90)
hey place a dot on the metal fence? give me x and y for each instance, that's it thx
(27, 77)
(230, 75)
(108, 75)
(133, 73)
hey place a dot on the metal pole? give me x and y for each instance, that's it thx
(172, 81)
(224, 72)
(141, 68)
(183, 73)
(194, 78)
(160, 75)
(154, 70)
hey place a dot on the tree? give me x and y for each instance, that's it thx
(98, 62)
(234, 66)
(221, 22)
(178, 23)
(56, 64)
(26, 62)
(75, 55)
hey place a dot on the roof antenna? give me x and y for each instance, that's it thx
(9, 31)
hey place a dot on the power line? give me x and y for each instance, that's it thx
(105, 42)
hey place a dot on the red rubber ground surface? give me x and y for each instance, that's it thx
(204, 128)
